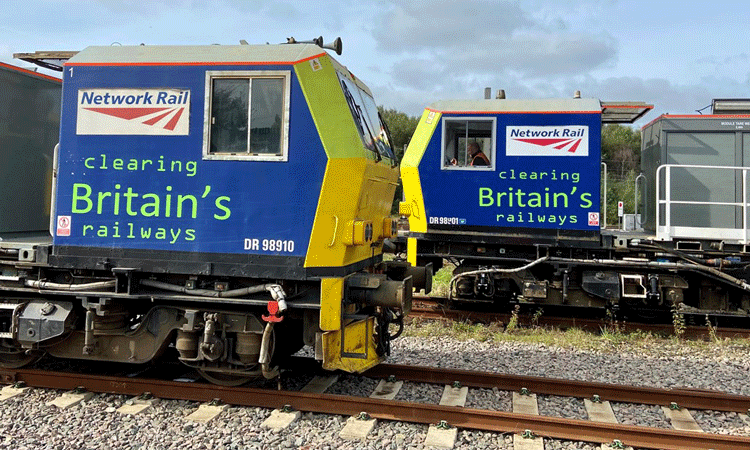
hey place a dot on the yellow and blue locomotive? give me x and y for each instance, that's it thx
(230, 201)
(510, 192)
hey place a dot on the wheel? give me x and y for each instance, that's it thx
(226, 379)
(15, 357)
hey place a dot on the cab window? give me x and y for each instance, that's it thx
(372, 129)
(247, 115)
(468, 143)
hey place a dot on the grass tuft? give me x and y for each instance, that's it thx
(610, 339)
(441, 280)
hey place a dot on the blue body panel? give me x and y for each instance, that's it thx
(235, 200)
(537, 192)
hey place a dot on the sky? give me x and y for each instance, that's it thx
(677, 56)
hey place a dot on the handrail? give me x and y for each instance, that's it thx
(53, 193)
(604, 209)
(665, 232)
(638, 222)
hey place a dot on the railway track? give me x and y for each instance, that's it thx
(433, 308)
(451, 417)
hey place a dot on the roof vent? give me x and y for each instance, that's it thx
(500, 94)
(577, 94)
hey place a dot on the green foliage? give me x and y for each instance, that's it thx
(622, 189)
(441, 280)
(621, 151)
(609, 340)
(536, 316)
(621, 148)
(513, 322)
(678, 321)
(401, 126)
(713, 337)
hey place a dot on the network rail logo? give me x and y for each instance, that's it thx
(154, 112)
(565, 140)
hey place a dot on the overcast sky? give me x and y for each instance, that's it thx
(676, 55)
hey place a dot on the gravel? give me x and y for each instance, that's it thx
(27, 423)
(420, 393)
(353, 385)
(492, 399)
(569, 408)
(707, 370)
(640, 415)
(722, 422)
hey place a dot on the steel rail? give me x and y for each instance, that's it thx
(496, 421)
(684, 398)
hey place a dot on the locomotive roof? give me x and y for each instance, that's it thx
(28, 73)
(512, 105)
(184, 54)
(612, 112)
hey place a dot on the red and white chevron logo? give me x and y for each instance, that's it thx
(567, 140)
(133, 112)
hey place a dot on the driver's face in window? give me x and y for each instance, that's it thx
(468, 143)
(472, 149)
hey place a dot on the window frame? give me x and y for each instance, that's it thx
(493, 143)
(364, 101)
(248, 75)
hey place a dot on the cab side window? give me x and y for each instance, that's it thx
(372, 129)
(468, 144)
(247, 115)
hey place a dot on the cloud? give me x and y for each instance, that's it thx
(419, 73)
(527, 60)
(666, 96)
(414, 25)
(741, 58)
(478, 40)
(541, 54)
(732, 66)
(532, 51)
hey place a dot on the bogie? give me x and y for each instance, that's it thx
(232, 343)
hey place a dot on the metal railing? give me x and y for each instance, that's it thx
(638, 222)
(668, 230)
(604, 189)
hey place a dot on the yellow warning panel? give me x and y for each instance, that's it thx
(352, 349)
(331, 294)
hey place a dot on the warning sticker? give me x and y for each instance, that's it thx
(593, 219)
(63, 225)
